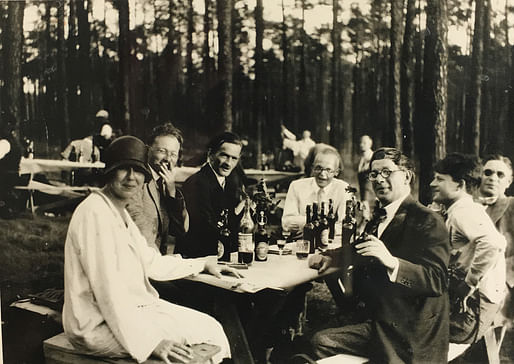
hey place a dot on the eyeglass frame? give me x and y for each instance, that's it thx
(320, 169)
(381, 173)
(166, 152)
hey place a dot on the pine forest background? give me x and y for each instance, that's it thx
(387, 68)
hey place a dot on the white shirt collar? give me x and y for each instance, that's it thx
(221, 179)
(395, 205)
(465, 199)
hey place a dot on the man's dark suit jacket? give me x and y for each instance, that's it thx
(410, 317)
(205, 199)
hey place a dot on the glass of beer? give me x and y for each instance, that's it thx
(302, 248)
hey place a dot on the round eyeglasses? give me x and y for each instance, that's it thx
(319, 169)
(385, 173)
(490, 172)
(166, 152)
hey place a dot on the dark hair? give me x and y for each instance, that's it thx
(164, 130)
(396, 155)
(226, 137)
(498, 157)
(461, 167)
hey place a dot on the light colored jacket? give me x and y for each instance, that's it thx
(106, 276)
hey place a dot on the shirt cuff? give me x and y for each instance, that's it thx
(394, 273)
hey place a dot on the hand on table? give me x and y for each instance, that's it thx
(374, 247)
(212, 268)
(320, 262)
(177, 352)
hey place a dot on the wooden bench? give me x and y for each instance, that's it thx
(58, 350)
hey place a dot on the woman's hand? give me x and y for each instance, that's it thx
(212, 267)
(177, 352)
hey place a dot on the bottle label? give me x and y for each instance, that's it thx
(245, 242)
(324, 237)
(261, 251)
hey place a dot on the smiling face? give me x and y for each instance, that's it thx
(164, 150)
(225, 158)
(324, 168)
(496, 178)
(444, 189)
(389, 189)
(124, 182)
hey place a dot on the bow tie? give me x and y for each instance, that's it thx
(379, 214)
(487, 200)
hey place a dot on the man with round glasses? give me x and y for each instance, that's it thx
(403, 285)
(496, 178)
(158, 209)
(320, 187)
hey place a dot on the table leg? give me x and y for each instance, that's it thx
(226, 313)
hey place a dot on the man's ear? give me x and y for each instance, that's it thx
(408, 177)
(461, 185)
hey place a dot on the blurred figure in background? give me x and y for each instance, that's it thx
(300, 148)
(11, 201)
(365, 189)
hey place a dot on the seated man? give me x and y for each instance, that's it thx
(477, 263)
(158, 209)
(496, 178)
(322, 186)
(208, 192)
(402, 278)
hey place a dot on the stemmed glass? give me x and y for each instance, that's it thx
(281, 243)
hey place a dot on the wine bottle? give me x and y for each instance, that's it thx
(316, 230)
(224, 237)
(331, 217)
(308, 228)
(323, 228)
(245, 248)
(261, 239)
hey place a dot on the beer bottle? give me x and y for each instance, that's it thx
(245, 245)
(323, 228)
(224, 237)
(308, 228)
(348, 255)
(261, 239)
(331, 217)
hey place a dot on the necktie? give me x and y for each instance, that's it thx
(321, 195)
(379, 215)
(161, 185)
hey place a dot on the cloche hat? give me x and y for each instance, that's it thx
(127, 151)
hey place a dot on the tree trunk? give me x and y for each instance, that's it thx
(435, 89)
(472, 139)
(394, 86)
(407, 79)
(286, 119)
(510, 125)
(336, 74)
(62, 89)
(259, 79)
(225, 59)
(13, 57)
(206, 60)
(189, 62)
(84, 61)
(124, 55)
(488, 114)
(302, 85)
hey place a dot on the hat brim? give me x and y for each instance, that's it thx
(143, 167)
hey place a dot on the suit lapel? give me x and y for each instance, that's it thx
(391, 232)
(497, 210)
(154, 194)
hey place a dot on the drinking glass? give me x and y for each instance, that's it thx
(302, 248)
(280, 243)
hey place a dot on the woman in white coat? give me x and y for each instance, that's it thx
(110, 307)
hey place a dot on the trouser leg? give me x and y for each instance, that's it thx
(350, 339)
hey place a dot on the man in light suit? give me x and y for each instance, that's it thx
(158, 209)
(400, 277)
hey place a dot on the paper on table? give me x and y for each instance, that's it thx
(343, 358)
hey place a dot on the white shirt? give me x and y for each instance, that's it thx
(304, 191)
(391, 210)
(221, 179)
(477, 247)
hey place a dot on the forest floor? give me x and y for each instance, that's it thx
(32, 259)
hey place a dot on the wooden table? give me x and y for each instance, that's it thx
(280, 272)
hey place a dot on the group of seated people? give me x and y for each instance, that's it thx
(425, 278)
